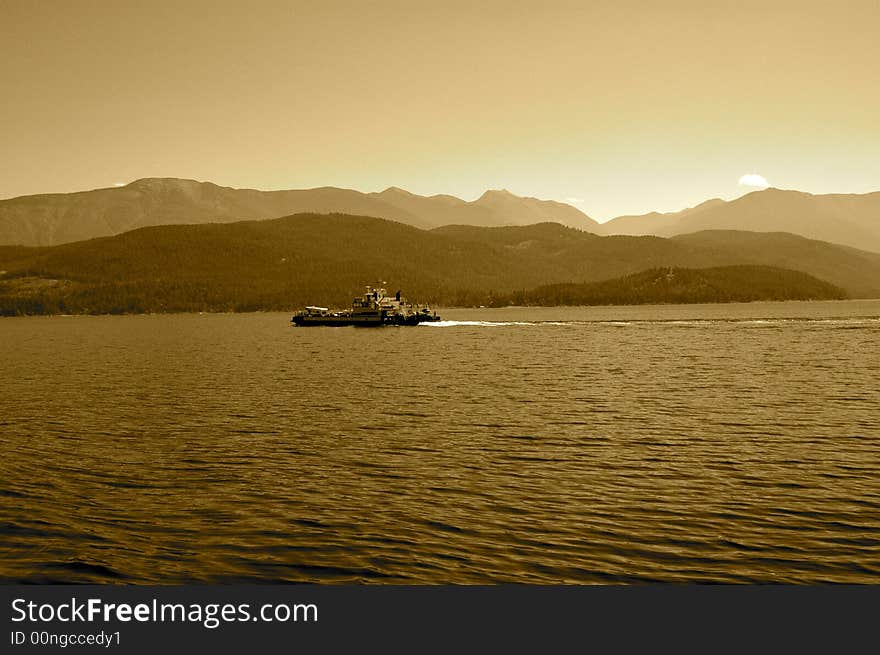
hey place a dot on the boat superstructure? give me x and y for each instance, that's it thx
(373, 309)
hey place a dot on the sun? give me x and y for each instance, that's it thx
(755, 180)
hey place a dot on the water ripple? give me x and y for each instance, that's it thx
(565, 445)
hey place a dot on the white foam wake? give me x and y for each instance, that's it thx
(476, 323)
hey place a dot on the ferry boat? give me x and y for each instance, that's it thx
(373, 309)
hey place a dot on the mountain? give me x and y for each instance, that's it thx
(685, 285)
(844, 266)
(493, 208)
(574, 256)
(527, 211)
(654, 223)
(326, 258)
(849, 219)
(53, 219)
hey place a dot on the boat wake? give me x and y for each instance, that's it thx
(756, 322)
(478, 323)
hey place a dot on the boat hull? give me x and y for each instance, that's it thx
(337, 321)
(361, 321)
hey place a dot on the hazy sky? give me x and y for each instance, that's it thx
(624, 107)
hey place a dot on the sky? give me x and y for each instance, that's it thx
(617, 107)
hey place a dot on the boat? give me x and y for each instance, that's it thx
(373, 309)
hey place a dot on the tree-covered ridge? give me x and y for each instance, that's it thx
(684, 285)
(282, 264)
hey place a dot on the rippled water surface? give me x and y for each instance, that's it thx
(728, 443)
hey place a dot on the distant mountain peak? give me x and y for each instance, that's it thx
(158, 180)
(499, 192)
(396, 190)
(492, 195)
(772, 191)
(165, 182)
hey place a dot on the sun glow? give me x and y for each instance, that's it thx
(753, 179)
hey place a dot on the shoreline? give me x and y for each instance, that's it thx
(732, 303)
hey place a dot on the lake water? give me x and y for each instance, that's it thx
(728, 443)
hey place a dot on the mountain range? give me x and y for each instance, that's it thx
(52, 219)
(326, 258)
(849, 219)
(684, 285)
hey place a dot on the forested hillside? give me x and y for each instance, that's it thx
(684, 285)
(285, 263)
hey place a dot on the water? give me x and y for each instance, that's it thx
(728, 443)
